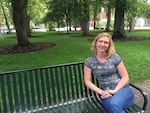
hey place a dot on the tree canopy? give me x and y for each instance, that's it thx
(70, 13)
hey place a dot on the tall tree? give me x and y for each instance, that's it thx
(108, 4)
(69, 8)
(85, 17)
(36, 10)
(19, 9)
(95, 9)
(131, 13)
(119, 31)
(5, 14)
(56, 13)
(76, 13)
(64, 13)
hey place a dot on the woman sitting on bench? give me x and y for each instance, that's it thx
(111, 74)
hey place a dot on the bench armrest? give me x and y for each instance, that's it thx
(143, 95)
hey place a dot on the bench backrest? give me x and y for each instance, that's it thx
(28, 89)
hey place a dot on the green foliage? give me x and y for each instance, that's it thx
(8, 12)
(63, 12)
(132, 8)
(136, 9)
(36, 10)
(121, 4)
(143, 10)
(103, 23)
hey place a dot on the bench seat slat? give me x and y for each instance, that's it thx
(3, 93)
(37, 88)
(16, 99)
(32, 88)
(43, 87)
(26, 83)
(9, 85)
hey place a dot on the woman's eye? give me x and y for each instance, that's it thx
(103, 42)
(106, 42)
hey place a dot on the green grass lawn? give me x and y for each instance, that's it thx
(74, 48)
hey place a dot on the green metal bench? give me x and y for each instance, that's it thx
(52, 89)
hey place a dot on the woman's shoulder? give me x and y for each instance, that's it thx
(115, 55)
(90, 59)
(115, 58)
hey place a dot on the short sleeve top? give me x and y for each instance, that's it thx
(106, 72)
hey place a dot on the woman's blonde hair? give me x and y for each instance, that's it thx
(111, 49)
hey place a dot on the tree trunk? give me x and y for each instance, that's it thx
(119, 32)
(85, 28)
(28, 26)
(85, 22)
(132, 24)
(19, 9)
(95, 14)
(108, 18)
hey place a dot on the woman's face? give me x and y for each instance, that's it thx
(102, 44)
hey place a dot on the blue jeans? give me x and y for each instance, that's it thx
(119, 101)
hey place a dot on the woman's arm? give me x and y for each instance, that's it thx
(124, 77)
(89, 84)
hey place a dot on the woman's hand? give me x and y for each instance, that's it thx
(106, 94)
(112, 91)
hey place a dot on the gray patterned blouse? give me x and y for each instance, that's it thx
(106, 72)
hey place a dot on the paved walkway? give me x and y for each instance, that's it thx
(146, 88)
